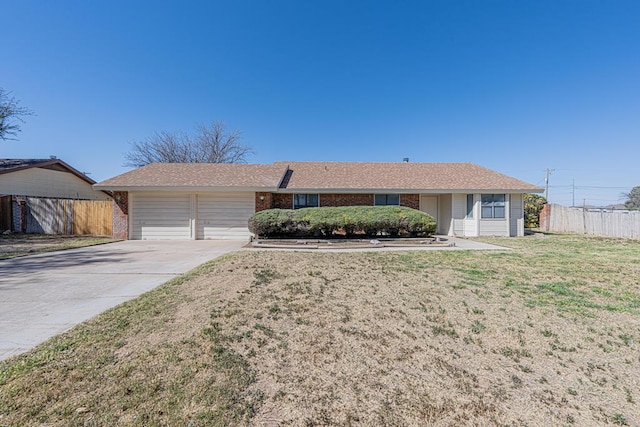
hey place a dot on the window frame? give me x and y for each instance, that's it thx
(386, 199)
(306, 203)
(491, 207)
(470, 206)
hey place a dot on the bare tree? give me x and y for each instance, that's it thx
(210, 144)
(10, 115)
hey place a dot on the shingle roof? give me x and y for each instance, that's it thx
(157, 176)
(398, 176)
(14, 165)
(317, 176)
(9, 164)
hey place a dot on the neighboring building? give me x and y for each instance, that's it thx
(215, 201)
(51, 178)
(36, 196)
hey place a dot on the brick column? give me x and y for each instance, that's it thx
(121, 215)
(264, 201)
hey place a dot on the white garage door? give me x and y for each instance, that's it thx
(160, 216)
(224, 215)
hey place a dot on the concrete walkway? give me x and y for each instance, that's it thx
(458, 244)
(44, 295)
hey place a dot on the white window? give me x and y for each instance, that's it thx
(469, 205)
(493, 205)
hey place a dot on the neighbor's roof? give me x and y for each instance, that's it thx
(185, 176)
(352, 176)
(14, 165)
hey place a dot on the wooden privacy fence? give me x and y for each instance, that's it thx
(5, 213)
(94, 217)
(62, 216)
(561, 219)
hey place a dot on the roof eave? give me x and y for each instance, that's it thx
(182, 188)
(49, 163)
(408, 190)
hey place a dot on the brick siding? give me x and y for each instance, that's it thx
(346, 199)
(285, 200)
(282, 201)
(410, 200)
(121, 215)
(264, 201)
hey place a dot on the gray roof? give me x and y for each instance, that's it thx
(9, 164)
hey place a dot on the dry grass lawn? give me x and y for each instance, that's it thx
(15, 245)
(545, 334)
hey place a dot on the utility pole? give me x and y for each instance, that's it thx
(573, 193)
(546, 180)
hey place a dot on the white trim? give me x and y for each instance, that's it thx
(192, 189)
(507, 213)
(193, 214)
(400, 191)
(129, 216)
(324, 190)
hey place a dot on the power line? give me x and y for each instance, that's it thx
(596, 187)
(587, 187)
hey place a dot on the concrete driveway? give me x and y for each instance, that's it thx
(44, 295)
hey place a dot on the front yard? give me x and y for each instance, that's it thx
(545, 334)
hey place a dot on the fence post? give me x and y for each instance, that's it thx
(23, 216)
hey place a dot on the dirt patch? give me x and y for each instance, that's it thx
(372, 340)
(15, 245)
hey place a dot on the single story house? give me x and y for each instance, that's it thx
(50, 178)
(215, 201)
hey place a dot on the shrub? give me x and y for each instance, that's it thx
(533, 204)
(347, 221)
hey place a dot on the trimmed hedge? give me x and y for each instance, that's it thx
(345, 221)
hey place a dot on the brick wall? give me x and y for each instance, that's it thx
(264, 201)
(282, 201)
(545, 218)
(121, 215)
(285, 201)
(410, 200)
(346, 199)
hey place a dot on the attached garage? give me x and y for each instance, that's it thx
(160, 216)
(171, 215)
(224, 215)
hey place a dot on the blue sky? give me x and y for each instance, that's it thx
(515, 86)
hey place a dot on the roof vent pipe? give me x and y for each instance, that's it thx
(405, 160)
